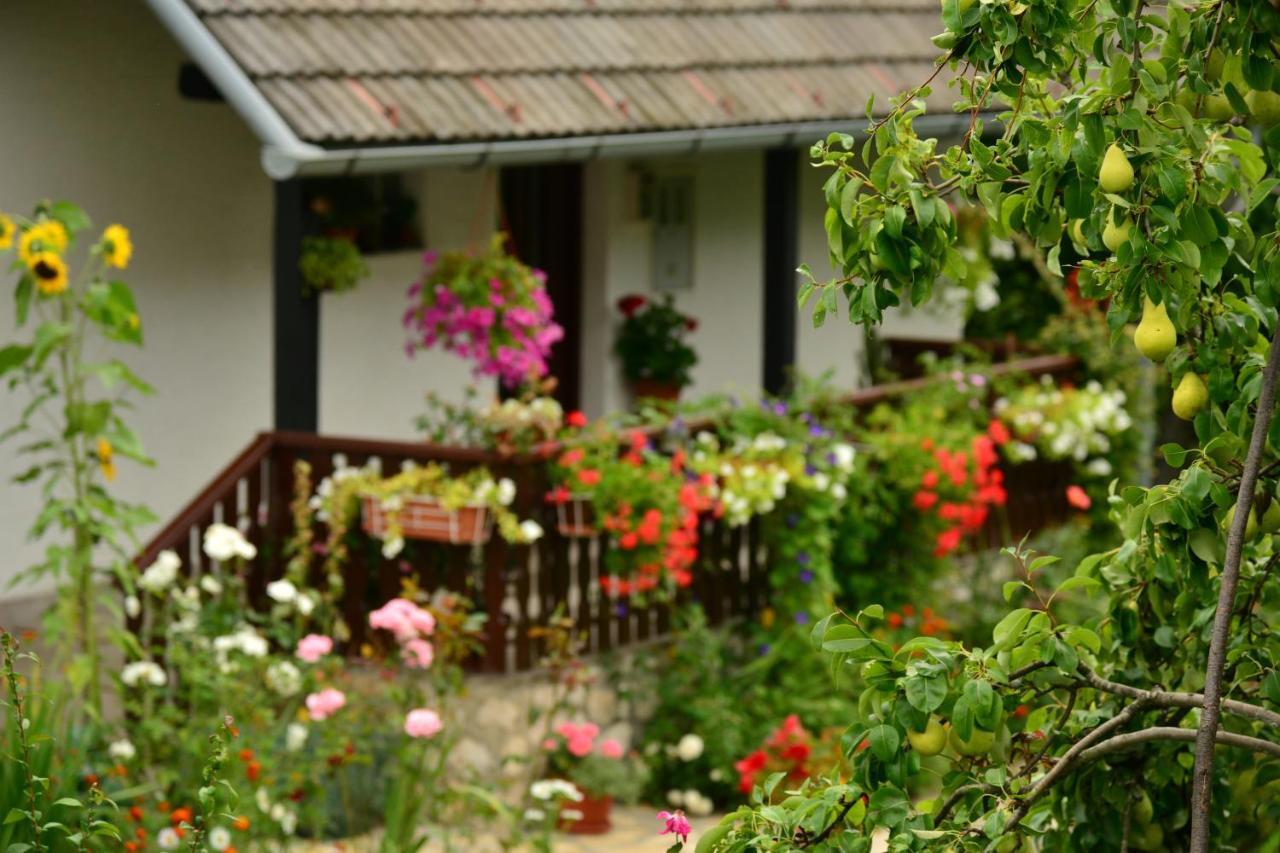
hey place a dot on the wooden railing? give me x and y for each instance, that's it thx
(520, 587)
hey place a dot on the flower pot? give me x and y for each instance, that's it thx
(575, 517)
(595, 815)
(656, 389)
(424, 518)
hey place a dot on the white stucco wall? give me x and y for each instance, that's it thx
(91, 114)
(368, 386)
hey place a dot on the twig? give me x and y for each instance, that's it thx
(1202, 791)
(941, 63)
(831, 827)
(1168, 699)
(958, 794)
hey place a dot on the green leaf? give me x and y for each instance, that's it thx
(15, 814)
(1207, 544)
(1010, 587)
(48, 336)
(885, 741)
(22, 297)
(890, 805)
(70, 215)
(1009, 629)
(13, 356)
(69, 802)
(925, 694)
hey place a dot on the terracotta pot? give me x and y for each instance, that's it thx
(656, 389)
(575, 518)
(595, 816)
(424, 518)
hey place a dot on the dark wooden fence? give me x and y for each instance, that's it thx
(520, 587)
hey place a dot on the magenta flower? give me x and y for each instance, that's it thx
(423, 723)
(313, 647)
(677, 824)
(326, 703)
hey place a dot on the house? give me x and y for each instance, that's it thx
(628, 145)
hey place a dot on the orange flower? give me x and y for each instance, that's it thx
(1078, 498)
(241, 823)
(253, 770)
(246, 755)
(179, 815)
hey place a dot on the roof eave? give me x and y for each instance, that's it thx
(285, 156)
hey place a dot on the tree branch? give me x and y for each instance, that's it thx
(1202, 791)
(1129, 739)
(958, 794)
(1168, 699)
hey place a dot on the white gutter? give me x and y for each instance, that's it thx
(286, 156)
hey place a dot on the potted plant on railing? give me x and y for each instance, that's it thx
(485, 307)
(599, 768)
(426, 503)
(656, 360)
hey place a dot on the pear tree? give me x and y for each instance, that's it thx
(1141, 136)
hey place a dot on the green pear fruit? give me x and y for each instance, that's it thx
(1218, 107)
(1190, 396)
(1115, 235)
(1155, 336)
(1270, 521)
(1116, 175)
(931, 740)
(1213, 67)
(1077, 232)
(1264, 107)
(1250, 526)
(1143, 810)
(979, 743)
(1150, 837)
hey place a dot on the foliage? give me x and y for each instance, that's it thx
(513, 425)
(651, 341)
(73, 425)
(330, 265)
(488, 308)
(1120, 143)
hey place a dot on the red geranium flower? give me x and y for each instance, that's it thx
(998, 431)
(948, 541)
(589, 477)
(1078, 498)
(576, 419)
(629, 305)
(924, 500)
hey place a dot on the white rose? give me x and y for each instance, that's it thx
(295, 737)
(223, 542)
(305, 604)
(839, 492)
(141, 671)
(530, 530)
(122, 750)
(211, 585)
(284, 678)
(132, 607)
(690, 747)
(161, 574)
(282, 591)
(392, 547)
(506, 491)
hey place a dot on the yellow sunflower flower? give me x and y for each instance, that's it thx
(48, 235)
(6, 232)
(50, 273)
(117, 248)
(105, 461)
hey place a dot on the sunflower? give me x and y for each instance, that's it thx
(117, 248)
(6, 232)
(50, 272)
(105, 461)
(48, 235)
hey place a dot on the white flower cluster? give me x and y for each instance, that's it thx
(284, 679)
(284, 816)
(222, 542)
(143, 671)
(122, 750)
(161, 574)
(543, 414)
(245, 640)
(342, 470)
(688, 748)
(1057, 423)
(285, 593)
(694, 802)
(552, 789)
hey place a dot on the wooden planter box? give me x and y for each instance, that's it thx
(423, 518)
(575, 518)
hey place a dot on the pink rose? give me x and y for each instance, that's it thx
(418, 654)
(313, 647)
(610, 748)
(403, 618)
(550, 744)
(580, 746)
(325, 703)
(422, 722)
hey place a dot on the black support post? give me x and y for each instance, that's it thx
(297, 319)
(781, 236)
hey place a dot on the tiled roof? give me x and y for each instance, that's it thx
(371, 72)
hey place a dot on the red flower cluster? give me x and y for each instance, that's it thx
(788, 748)
(930, 623)
(629, 305)
(975, 474)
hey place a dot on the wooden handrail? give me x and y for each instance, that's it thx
(195, 509)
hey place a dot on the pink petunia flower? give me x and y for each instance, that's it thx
(422, 722)
(325, 703)
(313, 647)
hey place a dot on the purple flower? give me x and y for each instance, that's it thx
(764, 649)
(779, 408)
(802, 618)
(802, 557)
(806, 576)
(621, 610)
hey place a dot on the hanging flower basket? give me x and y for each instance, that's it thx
(424, 518)
(576, 517)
